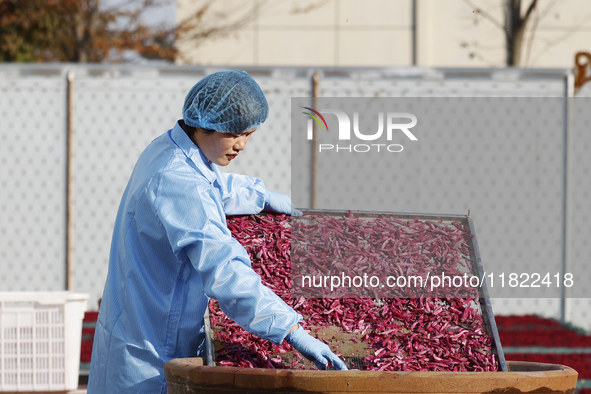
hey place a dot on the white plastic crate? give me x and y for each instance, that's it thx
(40, 336)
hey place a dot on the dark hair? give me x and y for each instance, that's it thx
(206, 131)
(192, 130)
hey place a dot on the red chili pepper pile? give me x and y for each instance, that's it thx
(381, 247)
(548, 338)
(396, 334)
(530, 330)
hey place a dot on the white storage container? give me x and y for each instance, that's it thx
(40, 336)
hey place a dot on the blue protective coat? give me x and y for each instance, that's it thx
(172, 250)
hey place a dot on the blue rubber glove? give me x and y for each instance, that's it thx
(280, 203)
(314, 350)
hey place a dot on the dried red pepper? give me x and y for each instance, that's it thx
(399, 334)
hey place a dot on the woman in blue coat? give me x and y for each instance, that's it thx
(172, 250)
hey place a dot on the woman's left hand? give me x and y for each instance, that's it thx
(281, 203)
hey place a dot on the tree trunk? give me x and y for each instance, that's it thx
(515, 25)
(80, 54)
(86, 18)
(512, 21)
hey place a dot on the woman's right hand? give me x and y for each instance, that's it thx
(314, 350)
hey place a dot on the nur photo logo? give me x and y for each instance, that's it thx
(394, 122)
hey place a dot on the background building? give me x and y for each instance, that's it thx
(383, 33)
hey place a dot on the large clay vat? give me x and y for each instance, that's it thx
(190, 376)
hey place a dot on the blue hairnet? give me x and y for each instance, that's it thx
(227, 102)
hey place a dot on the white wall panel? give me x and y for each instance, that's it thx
(579, 221)
(513, 184)
(32, 181)
(516, 196)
